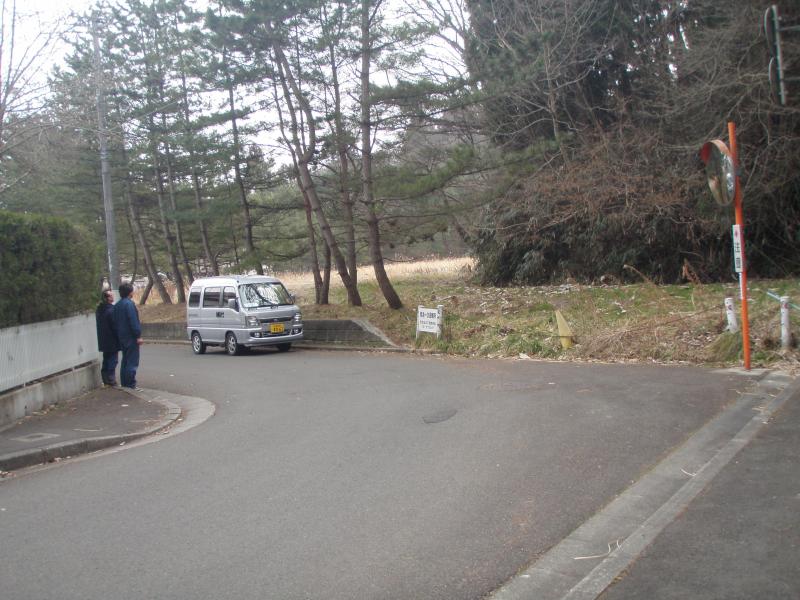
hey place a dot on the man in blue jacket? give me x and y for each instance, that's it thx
(129, 334)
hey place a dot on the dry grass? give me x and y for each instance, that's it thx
(302, 283)
(644, 322)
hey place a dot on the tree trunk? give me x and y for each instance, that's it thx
(202, 225)
(326, 278)
(312, 241)
(344, 183)
(146, 292)
(552, 103)
(169, 240)
(462, 233)
(304, 156)
(138, 231)
(155, 94)
(373, 224)
(201, 221)
(149, 265)
(308, 188)
(237, 171)
(134, 247)
(235, 245)
(173, 202)
(158, 91)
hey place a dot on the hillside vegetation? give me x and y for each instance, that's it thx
(636, 322)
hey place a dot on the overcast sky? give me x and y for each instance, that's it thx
(37, 17)
(34, 14)
(52, 8)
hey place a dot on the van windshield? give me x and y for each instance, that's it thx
(254, 295)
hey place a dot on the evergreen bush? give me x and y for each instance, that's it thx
(49, 269)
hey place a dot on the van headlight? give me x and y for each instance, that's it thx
(252, 322)
(298, 317)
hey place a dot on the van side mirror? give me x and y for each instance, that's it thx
(233, 305)
(293, 298)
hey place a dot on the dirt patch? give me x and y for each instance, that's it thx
(162, 313)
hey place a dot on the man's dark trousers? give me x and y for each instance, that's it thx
(109, 368)
(130, 362)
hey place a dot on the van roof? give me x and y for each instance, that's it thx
(233, 280)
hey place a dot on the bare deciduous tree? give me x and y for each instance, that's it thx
(23, 87)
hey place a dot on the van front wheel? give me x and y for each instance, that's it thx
(198, 346)
(284, 347)
(231, 345)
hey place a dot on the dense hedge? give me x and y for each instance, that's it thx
(48, 269)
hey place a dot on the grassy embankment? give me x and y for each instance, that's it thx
(640, 322)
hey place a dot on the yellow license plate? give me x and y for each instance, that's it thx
(276, 328)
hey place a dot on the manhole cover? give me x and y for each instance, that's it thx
(439, 416)
(511, 386)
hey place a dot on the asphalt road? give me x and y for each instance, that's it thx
(741, 538)
(346, 475)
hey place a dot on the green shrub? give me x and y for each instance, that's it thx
(49, 269)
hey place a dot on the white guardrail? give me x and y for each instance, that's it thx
(38, 350)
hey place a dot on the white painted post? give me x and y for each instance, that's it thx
(419, 308)
(786, 332)
(440, 320)
(733, 326)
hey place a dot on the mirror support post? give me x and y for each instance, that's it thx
(737, 206)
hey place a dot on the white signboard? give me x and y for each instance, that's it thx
(737, 248)
(429, 320)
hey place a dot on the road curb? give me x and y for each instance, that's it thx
(335, 347)
(313, 346)
(27, 458)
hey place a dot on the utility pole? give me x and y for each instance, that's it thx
(105, 170)
(774, 28)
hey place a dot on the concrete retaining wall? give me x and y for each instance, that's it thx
(38, 350)
(164, 331)
(327, 331)
(343, 331)
(26, 400)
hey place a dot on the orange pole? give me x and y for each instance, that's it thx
(737, 205)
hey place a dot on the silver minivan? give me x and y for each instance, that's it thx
(241, 311)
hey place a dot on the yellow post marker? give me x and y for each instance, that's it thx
(564, 332)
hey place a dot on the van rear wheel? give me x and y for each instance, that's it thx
(231, 344)
(198, 346)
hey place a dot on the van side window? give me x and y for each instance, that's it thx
(194, 298)
(211, 297)
(228, 293)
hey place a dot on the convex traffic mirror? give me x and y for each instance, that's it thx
(720, 171)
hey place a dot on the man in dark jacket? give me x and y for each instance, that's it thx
(129, 333)
(107, 342)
